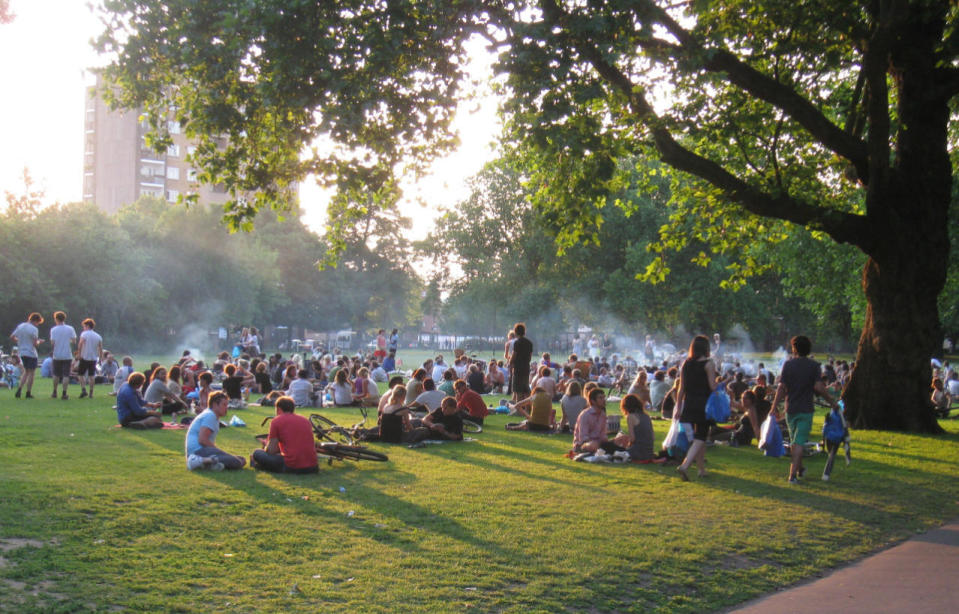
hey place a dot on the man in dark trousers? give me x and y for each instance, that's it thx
(519, 362)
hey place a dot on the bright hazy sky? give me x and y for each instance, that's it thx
(43, 56)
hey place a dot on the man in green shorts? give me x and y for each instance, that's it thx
(801, 378)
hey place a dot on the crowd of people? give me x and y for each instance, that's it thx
(433, 400)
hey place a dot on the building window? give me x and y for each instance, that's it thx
(191, 174)
(172, 195)
(173, 151)
(172, 172)
(173, 127)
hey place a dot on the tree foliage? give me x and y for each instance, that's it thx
(154, 270)
(831, 116)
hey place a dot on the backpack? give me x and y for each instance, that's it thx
(834, 428)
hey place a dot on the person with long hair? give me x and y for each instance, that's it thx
(697, 379)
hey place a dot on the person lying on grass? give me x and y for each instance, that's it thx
(590, 432)
(132, 411)
(201, 450)
(445, 422)
(541, 416)
(290, 448)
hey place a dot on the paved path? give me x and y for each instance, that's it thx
(919, 575)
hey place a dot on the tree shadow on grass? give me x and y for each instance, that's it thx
(415, 520)
(812, 495)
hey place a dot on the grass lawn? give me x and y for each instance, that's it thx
(93, 517)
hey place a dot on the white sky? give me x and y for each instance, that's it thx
(43, 57)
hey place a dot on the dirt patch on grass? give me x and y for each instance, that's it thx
(13, 543)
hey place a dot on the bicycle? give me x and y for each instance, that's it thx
(333, 449)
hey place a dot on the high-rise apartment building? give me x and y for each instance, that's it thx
(119, 168)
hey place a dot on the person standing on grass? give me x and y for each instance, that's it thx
(380, 352)
(27, 338)
(62, 336)
(519, 359)
(799, 380)
(89, 349)
(697, 379)
(290, 448)
(201, 450)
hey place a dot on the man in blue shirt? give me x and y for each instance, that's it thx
(201, 450)
(132, 411)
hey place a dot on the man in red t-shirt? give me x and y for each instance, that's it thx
(290, 448)
(470, 402)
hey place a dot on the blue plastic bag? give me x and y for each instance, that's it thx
(678, 439)
(717, 406)
(771, 437)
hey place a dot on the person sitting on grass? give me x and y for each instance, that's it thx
(233, 385)
(378, 373)
(159, 392)
(205, 380)
(394, 423)
(389, 363)
(201, 450)
(301, 389)
(449, 378)
(541, 416)
(431, 398)
(471, 404)
(590, 432)
(122, 375)
(363, 390)
(573, 403)
(132, 411)
(290, 447)
(475, 379)
(414, 387)
(638, 438)
(341, 390)
(445, 422)
(396, 380)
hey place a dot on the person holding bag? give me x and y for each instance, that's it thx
(697, 380)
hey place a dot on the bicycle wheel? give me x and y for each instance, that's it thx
(354, 453)
(324, 428)
(471, 427)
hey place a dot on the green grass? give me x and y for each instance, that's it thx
(505, 523)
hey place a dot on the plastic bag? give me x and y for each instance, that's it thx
(678, 438)
(771, 437)
(717, 406)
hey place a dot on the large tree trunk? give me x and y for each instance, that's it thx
(907, 200)
(889, 387)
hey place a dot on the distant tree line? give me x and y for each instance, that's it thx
(154, 269)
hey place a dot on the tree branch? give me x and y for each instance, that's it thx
(843, 227)
(769, 90)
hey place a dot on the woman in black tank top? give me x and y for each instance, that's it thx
(697, 380)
